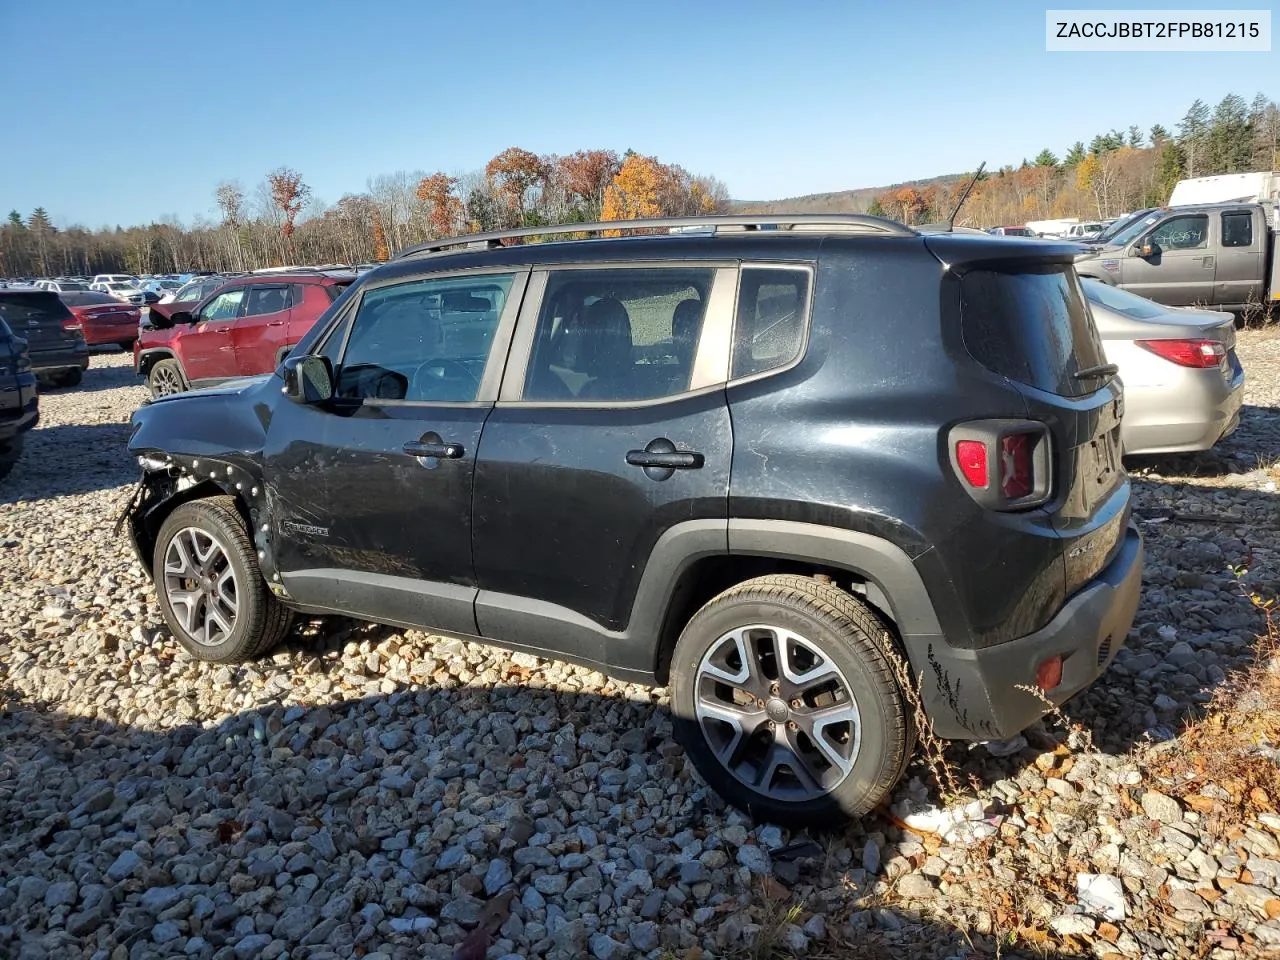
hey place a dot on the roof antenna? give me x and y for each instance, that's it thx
(951, 220)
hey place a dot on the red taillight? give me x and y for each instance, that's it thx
(1016, 480)
(1003, 464)
(1187, 353)
(971, 455)
(71, 323)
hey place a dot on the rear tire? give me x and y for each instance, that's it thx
(165, 379)
(10, 450)
(819, 730)
(69, 378)
(210, 587)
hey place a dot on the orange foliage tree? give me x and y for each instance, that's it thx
(380, 251)
(444, 208)
(288, 193)
(585, 177)
(642, 188)
(515, 174)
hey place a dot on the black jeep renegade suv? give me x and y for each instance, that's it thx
(762, 466)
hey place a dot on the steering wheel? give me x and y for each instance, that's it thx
(423, 379)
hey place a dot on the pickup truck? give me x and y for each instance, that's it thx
(1216, 255)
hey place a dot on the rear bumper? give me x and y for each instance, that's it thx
(1192, 413)
(47, 362)
(106, 334)
(975, 695)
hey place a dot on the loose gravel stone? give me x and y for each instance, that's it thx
(371, 791)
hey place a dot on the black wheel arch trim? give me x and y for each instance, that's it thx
(150, 356)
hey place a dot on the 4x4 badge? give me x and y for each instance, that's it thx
(290, 527)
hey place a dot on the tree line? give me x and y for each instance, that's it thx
(281, 222)
(1116, 172)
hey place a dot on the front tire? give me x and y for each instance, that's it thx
(166, 379)
(211, 590)
(785, 698)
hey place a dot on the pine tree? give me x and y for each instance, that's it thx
(41, 228)
(876, 210)
(1045, 158)
(1134, 139)
(1159, 135)
(1172, 168)
(1074, 155)
(15, 220)
(1230, 137)
(1191, 136)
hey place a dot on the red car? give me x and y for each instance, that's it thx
(243, 328)
(102, 318)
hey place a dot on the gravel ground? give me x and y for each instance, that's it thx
(372, 792)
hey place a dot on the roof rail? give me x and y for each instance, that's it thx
(834, 222)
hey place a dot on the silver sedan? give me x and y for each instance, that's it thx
(1183, 382)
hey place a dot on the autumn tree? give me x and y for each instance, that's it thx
(515, 176)
(585, 177)
(288, 193)
(638, 190)
(230, 200)
(380, 252)
(444, 209)
(909, 203)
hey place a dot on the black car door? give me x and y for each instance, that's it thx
(612, 427)
(373, 490)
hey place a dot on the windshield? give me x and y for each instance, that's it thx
(1129, 304)
(1133, 229)
(1120, 224)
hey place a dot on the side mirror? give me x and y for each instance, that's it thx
(1148, 249)
(308, 379)
(181, 316)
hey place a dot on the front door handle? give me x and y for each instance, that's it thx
(673, 460)
(426, 448)
(660, 459)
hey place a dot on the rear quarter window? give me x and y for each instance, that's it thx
(1032, 326)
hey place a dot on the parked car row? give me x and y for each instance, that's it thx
(230, 328)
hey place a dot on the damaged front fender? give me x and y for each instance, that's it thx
(196, 445)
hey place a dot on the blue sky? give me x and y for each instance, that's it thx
(126, 111)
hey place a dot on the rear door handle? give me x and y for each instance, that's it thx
(673, 460)
(446, 451)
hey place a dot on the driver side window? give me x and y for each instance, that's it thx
(224, 306)
(426, 341)
(1182, 233)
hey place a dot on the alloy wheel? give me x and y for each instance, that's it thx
(200, 585)
(165, 382)
(778, 714)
